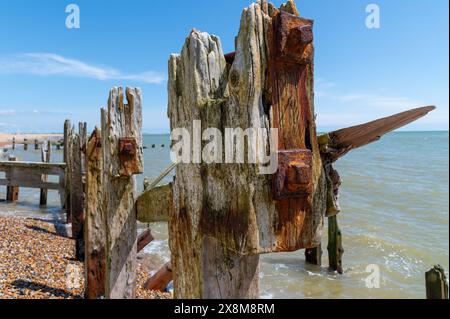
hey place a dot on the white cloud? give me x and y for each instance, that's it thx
(53, 64)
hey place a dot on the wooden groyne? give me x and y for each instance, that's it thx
(32, 175)
(221, 218)
(36, 143)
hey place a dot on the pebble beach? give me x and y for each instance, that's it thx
(37, 261)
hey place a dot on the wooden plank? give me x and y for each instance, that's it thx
(30, 184)
(28, 176)
(154, 204)
(95, 223)
(121, 120)
(343, 141)
(161, 279)
(44, 168)
(144, 239)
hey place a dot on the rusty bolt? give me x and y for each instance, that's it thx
(127, 147)
(304, 34)
(297, 41)
(299, 174)
(294, 176)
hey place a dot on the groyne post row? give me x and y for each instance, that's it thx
(36, 142)
(32, 175)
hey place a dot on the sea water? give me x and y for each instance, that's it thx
(394, 219)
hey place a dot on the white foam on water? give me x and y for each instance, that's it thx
(160, 248)
(267, 295)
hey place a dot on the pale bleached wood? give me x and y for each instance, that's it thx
(120, 120)
(95, 223)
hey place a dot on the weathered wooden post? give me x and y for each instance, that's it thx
(224, 216)
(436, 283)
(77, 189)
(14, 143)
(45, 157)
(68, 131)
(95, 223)
(122, 159)
(25, 144)
(12, 192)
(36, 144)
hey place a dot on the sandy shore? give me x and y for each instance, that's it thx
(6, 139)
(37, 262)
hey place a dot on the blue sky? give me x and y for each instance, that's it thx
(49, 73)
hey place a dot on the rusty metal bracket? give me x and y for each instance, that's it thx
(294, 38)
(128, 155)
(294, 176)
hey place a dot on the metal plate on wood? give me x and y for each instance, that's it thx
(294, 38)
(294, 176)
(128, 154)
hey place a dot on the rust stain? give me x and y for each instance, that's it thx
(128, 155)
(290, 69)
